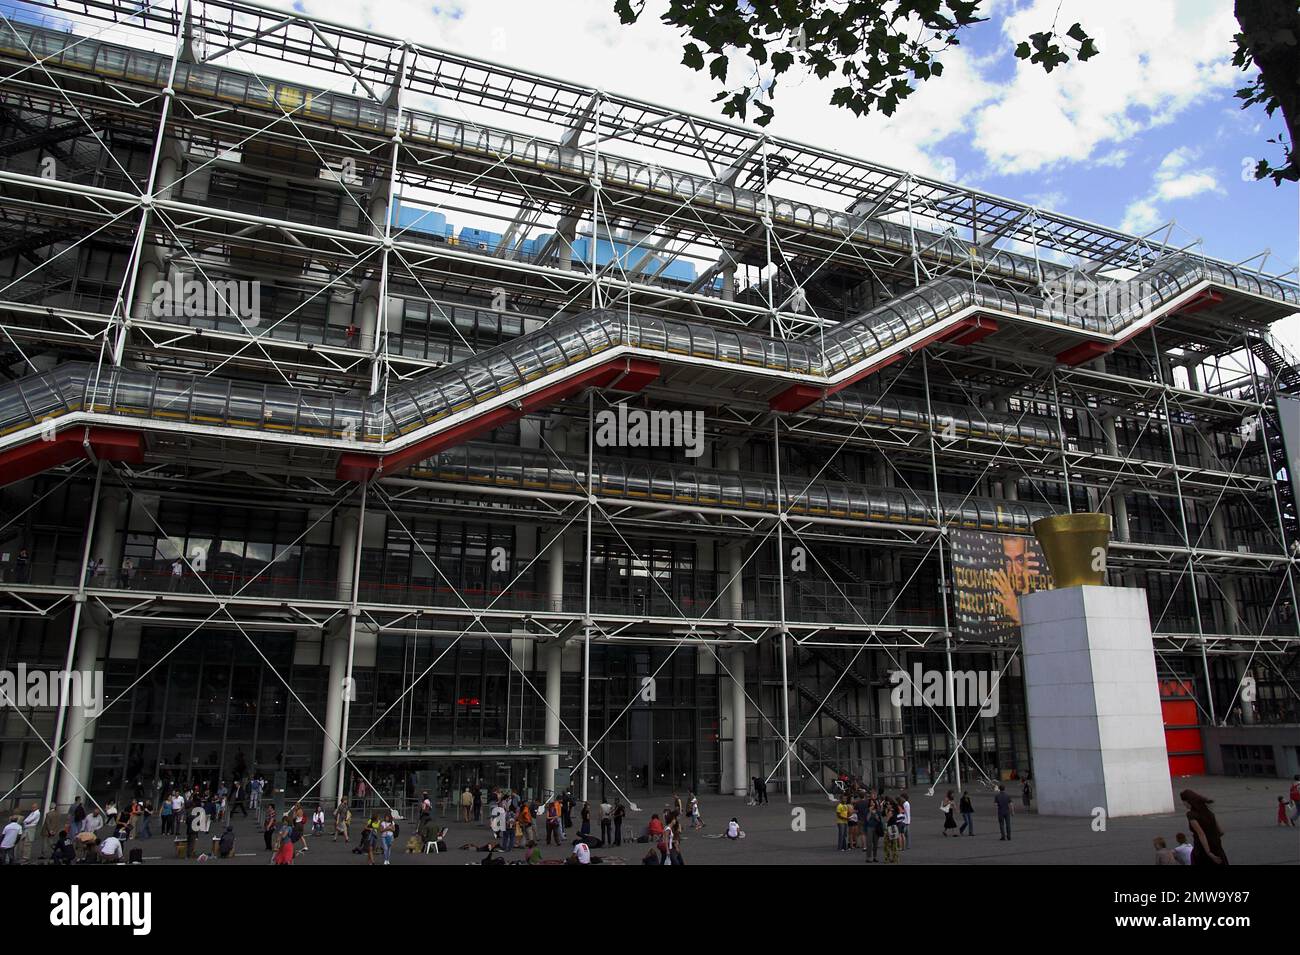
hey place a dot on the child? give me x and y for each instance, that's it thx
(1282, 819)
(1164, 855)
(1183, 849)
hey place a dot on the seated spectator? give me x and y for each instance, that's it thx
(110, 850)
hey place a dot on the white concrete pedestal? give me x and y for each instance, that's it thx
(1096, 734)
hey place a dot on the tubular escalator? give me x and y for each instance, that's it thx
(406, 422)
(656, 483)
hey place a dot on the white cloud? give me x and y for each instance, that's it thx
(1174, 178)
(1157, 58)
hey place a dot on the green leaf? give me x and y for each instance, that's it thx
(692, 57)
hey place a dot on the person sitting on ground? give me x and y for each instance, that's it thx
(485, 847)
(64, 852)
(1164, 855)
(226, 845)
(581, 854)
(733, 829)
(534, 856)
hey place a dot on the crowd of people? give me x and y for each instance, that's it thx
(866, 819)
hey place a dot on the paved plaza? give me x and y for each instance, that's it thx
(1246, 809)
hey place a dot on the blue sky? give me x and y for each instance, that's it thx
(1145, 133)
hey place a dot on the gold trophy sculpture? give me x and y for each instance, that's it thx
(1075, 546)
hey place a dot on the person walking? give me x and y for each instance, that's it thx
(967, 810)
(697, 822)
(1005, 807)
(1207, 837)
(342, 820)
(1027, 793)
(1294, 796)
(466, 804)
(619, 812)
(949, 809)
(904, 821)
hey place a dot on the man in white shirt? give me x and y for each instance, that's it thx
(13, 831)
(30, 825)
(110, 850)
(582, 853)
(905, 820)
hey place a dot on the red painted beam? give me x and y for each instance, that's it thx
(1084, 351)
(108, 444)
(796, 398)
(1206, 298)
(976, 329)
(636, 374)
(623, 374)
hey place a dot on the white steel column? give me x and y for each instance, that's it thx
(336, 650)
(85, 630)
(348, 687)
(739, 727)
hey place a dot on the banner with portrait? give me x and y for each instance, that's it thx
(990, 573)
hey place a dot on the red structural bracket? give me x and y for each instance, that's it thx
(968, 331)
(623, 374)
(1084, 351)
(108, 444)
(1087, 351)
(1205, 298)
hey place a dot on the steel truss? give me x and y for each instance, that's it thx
(786, 240)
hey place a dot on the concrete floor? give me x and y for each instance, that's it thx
(1246, 809)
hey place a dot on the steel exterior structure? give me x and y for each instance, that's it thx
(320, 481)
